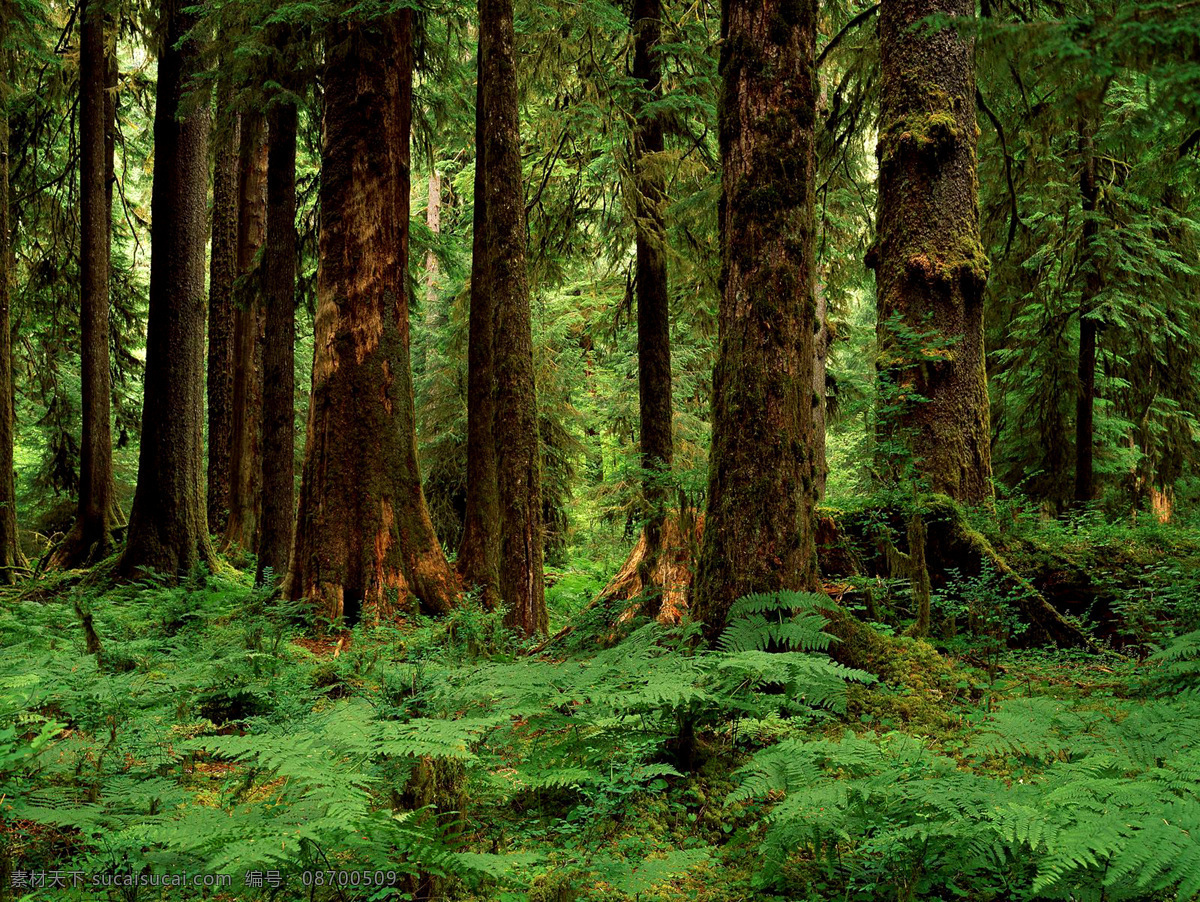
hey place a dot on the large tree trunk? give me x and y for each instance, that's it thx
(930, 266)
(758, 534)
(168, 526)
(89, 539)
(653, 300)
(479, 551)
(515, 425)
(245, 450)
(363, 532)
(279, 402)
(222, 274)
(11, 558)
(1085, 400)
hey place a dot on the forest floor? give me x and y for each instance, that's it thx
(439, 759)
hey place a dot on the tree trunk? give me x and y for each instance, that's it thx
(653, 300)
(930, 266)
(245, 450)
(168, 528)
(222, 274)
(515, 429)
(89, 539)
(479, 551)
(279, 402)
(11, 558)
(758, 534)
(433, 219)
(1085, 400)
(363, 532)
(821, 342)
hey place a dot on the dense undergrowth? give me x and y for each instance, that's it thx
(212, 733)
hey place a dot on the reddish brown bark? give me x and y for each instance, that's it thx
(364, 538)
(168, 526)
(758, 534)
(245, 427)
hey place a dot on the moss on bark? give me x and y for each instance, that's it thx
(758, 527)
(929, 263)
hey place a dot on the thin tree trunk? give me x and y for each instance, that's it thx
(821, 342)
(515, 429)
(758, 532)
(222, 274)
(930, 265)
(653, 300)
(11, 558)
(168, 528)
(364, 537)
(279, 403)
(1085, 400)
(433, 219)
(89, 539)
(245, 450)
(479, 551)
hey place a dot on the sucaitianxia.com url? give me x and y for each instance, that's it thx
(56, 879)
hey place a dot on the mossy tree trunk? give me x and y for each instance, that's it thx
(245, 432)
(363, 532)
(221, 275)
(653, 299)
(279, 294)
(1085, 399)
(758, 534)
(479, 551)
(515, 423)
(168, 525)
(930, 267)
(11, 558)
(90, 537)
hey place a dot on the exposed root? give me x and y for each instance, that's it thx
(657, 583)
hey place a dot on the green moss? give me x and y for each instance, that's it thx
(557, 886)
(925, 134)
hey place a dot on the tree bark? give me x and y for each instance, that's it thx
(1085, 400)
(245, 449)
(758, 534)
(90, 537)
(222, 274)
(364, 537)
(821, 343)
(168, 527)
(279, 402)
(653, 299)
(433, 219)
(930, 266)
(479, 551)
(515, 427)
(11, 558)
